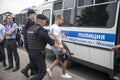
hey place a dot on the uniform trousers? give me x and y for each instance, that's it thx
(38, 62)
(29, 65)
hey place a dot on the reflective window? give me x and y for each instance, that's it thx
(101, 1)
(18, 19)
(58, 5)
(55, 13)
(69, 4)
(84, 2)
(24, 18)
(68, 17)
(47, 14)
(97, 16)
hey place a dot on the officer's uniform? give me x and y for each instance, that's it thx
(37, 39)
(28, 24)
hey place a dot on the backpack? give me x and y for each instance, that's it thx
(18, 35)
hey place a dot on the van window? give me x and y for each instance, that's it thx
(69, 4)
(47, 14)
(55, 13)
(84, 2)
(68, 17)
(97, 16)
(58, 5)
(101, 1)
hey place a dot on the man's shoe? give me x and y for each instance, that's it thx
(67, 76)
(25, 73)
(49, 73)
(8, 68)
(15, 69)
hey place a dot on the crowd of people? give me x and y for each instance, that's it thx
(35, 40)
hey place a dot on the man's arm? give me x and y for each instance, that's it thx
(12, 30)
(3, 36)
(56, 38)
(47, 39)
(115, 47)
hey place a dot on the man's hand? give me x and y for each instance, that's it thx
(5, 34)
(63, 50)
(113, 48)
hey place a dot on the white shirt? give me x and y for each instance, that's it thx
(2, 30)
(55, 30)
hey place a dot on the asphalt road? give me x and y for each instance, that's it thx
(77, 71)
(80, 72)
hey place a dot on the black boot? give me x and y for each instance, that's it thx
(25, 70)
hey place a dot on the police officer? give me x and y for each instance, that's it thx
(29, 22)
(37, 39)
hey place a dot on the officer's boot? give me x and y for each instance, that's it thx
(25, 70)
(33, 71)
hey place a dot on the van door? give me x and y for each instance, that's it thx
(46, 9)
(117, 52)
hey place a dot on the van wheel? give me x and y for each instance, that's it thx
(69, 64)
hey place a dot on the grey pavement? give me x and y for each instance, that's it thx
(9, 75)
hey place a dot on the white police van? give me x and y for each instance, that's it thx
(92, 27)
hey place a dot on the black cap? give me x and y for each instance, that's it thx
(41, 16)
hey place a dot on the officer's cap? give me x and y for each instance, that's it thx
(41, 16)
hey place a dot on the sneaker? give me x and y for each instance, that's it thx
(49, 72)
(66, 76)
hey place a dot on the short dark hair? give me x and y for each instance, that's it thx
(8, 16)
(30, 12)
(41, 16)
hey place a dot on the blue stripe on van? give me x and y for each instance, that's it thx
(90, 35)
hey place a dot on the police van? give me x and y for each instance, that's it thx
(91, 27)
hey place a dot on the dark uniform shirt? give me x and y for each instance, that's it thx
(28, 24)
(44, 37)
